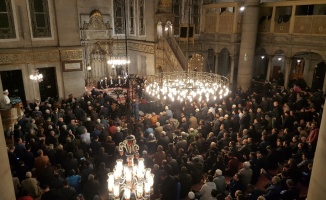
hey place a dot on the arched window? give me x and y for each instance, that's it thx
(176, 9)
(7, 25)
(131, 17)
(119, 16)
(40, 18)
(168, 28)
(196, 7)
(141, 16)
(159, 29)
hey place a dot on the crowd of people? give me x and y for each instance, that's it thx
(65, 149)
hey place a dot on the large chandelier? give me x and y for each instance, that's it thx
(188, 85)
(36, 76)
(118, 60)
(130, 181)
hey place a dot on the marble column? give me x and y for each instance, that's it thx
(216, 63)
(248, 43)
(269, 67)
(307, 62)
(232, 69)
(317, 186)
(324, 86)
(288, 62)
(6, 184)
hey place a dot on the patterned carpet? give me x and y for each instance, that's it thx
(112, 93)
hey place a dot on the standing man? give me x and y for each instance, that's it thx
(105, 83)
(111, 82)
(135, 109)
(168, 186)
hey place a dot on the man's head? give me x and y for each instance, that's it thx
(6, 92)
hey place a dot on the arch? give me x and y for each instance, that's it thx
(318, 78)
(260, 65)
(224, 65)
(278, 67)
(310, 67)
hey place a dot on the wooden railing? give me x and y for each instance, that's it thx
(171, 58)
(174, 46)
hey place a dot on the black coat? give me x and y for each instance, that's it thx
(169, 189)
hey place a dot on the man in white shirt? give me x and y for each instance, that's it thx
(5, 103)
(207, 188)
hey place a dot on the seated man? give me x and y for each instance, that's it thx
(5, 102)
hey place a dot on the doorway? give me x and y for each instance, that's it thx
(318, 77)
(48, 87)
(275, 72)
(13, 82)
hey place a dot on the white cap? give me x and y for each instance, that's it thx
(28, 175)
(246, 164)
(218, 172)
(5, 91)
(191, 195)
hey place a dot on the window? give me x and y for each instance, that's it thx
(176, 12)
(141, 25)
(7, 25)
(131, 17)
(119, 16)
(196, 15)
(40, 18)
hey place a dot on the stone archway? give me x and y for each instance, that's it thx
(224, 65)
(260, 65)
(318, 76)
(278, 66)
(310, 67)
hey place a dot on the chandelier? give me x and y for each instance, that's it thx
(188, 85)
(130, 181)
(36, 76)
(98, 54)
(118, 60)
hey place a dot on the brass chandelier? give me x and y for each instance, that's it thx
(188, 85)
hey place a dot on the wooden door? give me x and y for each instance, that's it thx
(48, 87)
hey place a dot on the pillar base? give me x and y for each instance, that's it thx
(244, 81)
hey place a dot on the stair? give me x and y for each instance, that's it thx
(177, 52)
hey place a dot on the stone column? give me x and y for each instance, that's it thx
(307, 62)
(6, 184)
(248, 43)
(288, 62)
(269, 67)
(317, 186)
(324, 86)
(216, 64)
(232, 69)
